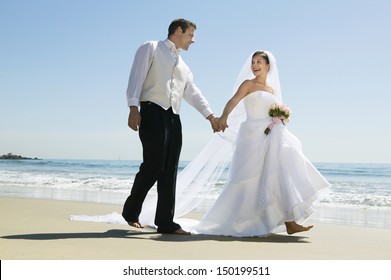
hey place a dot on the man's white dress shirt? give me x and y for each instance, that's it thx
(161, 76)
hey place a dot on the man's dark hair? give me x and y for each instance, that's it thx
(182, 23)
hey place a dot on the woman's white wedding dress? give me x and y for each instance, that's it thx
(270, 182)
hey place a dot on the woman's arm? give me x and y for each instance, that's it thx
(242, 91)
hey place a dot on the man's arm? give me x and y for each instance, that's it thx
(141, 64)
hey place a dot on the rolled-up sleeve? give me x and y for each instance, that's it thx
(141, 63)
(194, 97)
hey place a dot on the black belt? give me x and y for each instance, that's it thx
(149, 103)
(146, 103)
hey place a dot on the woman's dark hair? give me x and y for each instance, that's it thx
(262, 54)
(182, 23)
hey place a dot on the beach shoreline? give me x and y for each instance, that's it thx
(41, 229)
(360, 215)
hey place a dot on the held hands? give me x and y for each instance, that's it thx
(221, 123)
(218, 124)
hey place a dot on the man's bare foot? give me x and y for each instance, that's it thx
(293, 227)
(181, 232)
(135, 224)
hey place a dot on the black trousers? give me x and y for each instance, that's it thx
(160, 133)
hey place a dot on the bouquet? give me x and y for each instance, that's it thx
(280, 113)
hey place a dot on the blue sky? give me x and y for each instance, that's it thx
(64, 67)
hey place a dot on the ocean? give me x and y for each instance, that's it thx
(360, 193)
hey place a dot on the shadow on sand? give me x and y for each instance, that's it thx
(116, 233)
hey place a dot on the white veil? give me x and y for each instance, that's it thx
(197, 181)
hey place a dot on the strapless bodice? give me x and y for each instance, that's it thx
(257, 104)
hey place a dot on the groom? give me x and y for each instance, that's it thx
(159, 80)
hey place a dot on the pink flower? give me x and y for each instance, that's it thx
(280, 113)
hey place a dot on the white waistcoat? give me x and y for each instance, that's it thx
(166, 79)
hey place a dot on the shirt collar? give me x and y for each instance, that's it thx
(171, 45)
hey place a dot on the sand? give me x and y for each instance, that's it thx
(34, 229)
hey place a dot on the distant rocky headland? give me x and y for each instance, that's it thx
(12, 156)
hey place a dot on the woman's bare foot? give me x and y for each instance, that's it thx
(293, 227)
(135, 224)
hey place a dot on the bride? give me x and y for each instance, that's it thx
(271, 184)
